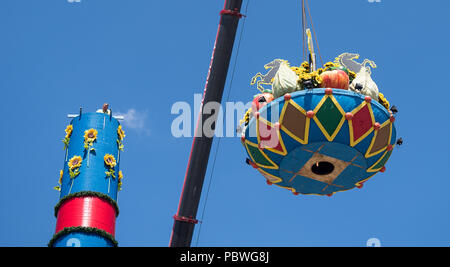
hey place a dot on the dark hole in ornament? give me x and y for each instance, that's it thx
(322, 168)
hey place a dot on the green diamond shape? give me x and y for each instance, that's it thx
(258, 157)
(382, 162)
(329, 116)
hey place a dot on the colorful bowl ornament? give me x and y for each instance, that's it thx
(89, 183)
(323, 134)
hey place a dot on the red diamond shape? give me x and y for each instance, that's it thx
(361, 122)
(268, 136)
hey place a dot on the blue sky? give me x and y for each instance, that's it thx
(143, 56)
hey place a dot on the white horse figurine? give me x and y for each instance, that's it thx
(363, 82)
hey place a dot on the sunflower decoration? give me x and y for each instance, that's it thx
(307, 79)
(74, 165)
(58, 188)
(383, 101)
(74, 168)
(120, 180)
(66, 139)
(304, 68)
(312, 79)
(110, 163)
(120, 137)
(89, 138)
(246, 118)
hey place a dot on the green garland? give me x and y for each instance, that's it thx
(88, 230)
(87, 194)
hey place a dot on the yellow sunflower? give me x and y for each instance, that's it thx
(330, 65)
(120, 180)
(69, 130)
(58, 188)
(383, 101)
(90, 135)
(75, 162)
(110, 160)
(66, 139)
(120, 133)
(351, 74)
(60, 176)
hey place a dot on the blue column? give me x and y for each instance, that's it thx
(93, 173)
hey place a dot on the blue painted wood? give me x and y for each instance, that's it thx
(81, 239)
(92, 175)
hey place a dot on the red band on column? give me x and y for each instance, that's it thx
(88, 212)
(231, 12)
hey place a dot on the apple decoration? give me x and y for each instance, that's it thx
(335, 78)
(260, 101)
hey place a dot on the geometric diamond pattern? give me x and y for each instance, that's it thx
(292, 163)
(339, 166)
(361, 124)
(329, 116)
(259, 157)
(294, 122)
(380, 163)
(381, 139)
(269, 138)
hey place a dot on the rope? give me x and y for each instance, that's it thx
(305, 7)
(304, 30)
(218, 141)
(314, 33)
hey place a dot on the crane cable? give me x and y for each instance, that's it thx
(304, 30)
(219, 139)
(305, 7)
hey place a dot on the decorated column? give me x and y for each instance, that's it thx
(89, 182)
